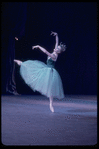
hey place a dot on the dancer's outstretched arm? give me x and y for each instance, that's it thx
(57, 39)
(44, 50)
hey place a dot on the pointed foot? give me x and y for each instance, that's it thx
(18, 62)
(52, 109)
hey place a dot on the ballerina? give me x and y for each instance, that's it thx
(43, 77)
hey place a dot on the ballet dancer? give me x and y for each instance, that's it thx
(43, 77)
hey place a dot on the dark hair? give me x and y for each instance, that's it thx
(63, 47)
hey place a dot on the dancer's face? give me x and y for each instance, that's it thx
(58, 50)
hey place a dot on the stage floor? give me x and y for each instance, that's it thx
(27, 120)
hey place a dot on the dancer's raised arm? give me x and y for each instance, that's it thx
(57, 39)
(44, 50)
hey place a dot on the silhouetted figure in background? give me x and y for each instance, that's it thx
(14, 19)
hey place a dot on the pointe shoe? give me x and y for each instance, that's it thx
(51, 108)
(18, 62)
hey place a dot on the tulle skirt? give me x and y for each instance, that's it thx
(39, 77)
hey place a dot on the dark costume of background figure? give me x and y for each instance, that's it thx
(13, 21)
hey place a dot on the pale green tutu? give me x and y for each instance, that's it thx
(40, 77)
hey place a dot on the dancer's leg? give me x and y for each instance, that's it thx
(51, 102)
(18, 62)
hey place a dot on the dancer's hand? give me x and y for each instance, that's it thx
(34, 47)
(16, 38)
(53, 33)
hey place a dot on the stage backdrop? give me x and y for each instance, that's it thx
(76, 25)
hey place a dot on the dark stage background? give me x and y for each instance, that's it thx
(76, 25)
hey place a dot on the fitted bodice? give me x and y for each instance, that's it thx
(50, 63)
